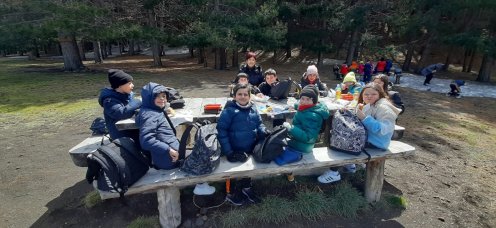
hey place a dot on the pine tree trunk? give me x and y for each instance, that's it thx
(352, 46)
(191, 52)
(119, 45)
(448, 58)
(465, 57)
(274, 58)
(201, 57)
(424, 58)
(485, 70)
(103, 50)
(96, 51)
(81, 50)
(319, 58)
(156, 53)
(131, 48)
(31, 55)
(4, 53)
(36, 49)
(109, 48)
(70, 52)
(235, 58)
(288, 50)
(220, 58)
(408, 58)
(471, 63)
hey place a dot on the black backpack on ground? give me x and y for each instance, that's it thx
(205, 154)
(348, 134)
(117, 166)
(174, 98)
(266, 150)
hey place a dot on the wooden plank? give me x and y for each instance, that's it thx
(79, 152)
(169, 207)
(374, 180)
(321, 157)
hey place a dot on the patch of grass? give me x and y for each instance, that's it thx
(396, 201)
(273, 210)
(91, 199)
(235, 217)
(145, 222)
(346, 201)
(311, 205)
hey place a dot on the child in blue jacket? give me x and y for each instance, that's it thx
(157, 133)
(239, 127)
(118, 103)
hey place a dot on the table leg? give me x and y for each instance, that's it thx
(169, 207)
(374, 180)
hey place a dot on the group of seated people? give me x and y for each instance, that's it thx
(240, 125)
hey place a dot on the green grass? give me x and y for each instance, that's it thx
(273, 210)
(145, 222)
(311, 205)
(346, 201)
(396, 201)
(234, 217)
(91, 199)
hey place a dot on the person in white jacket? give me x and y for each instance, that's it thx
(378, 115)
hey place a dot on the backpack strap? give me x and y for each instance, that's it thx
(169, 121)
(185, 136)
(368, 155)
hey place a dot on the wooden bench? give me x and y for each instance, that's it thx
(79, 152)
(168, 182)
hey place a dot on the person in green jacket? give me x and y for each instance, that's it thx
(304, 131)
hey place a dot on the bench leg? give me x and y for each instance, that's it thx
(169, 207)
(374, 180)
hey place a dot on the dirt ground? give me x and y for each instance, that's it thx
(450, 182)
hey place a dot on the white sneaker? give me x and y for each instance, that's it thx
(203, 189)
(329, 177)
(350, 168)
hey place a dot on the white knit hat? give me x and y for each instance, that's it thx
(312, 69)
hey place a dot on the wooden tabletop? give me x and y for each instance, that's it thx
(193, 111)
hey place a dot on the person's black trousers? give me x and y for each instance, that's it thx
(428, 78)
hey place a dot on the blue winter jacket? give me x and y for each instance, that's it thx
(117, 106)
(157, 134)
(239, 128)
(255, 74)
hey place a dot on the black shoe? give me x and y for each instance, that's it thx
(250, 195)
(236, 199)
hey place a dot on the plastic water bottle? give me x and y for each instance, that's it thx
(356, 94)
(338, 92)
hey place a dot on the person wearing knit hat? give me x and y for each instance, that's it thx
(350, 84)
(305, 128)
(311, 92)
(118, 103)
(311, 77)
(118, 78)
(252, 69)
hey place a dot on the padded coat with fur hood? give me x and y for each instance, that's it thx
(157, 134)
(379, 121)
(323, 91)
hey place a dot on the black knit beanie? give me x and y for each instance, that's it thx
(118, 78)
(312, 92)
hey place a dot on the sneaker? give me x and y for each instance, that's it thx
(350, 168)
(236, 199)
(203, 189)
(250, 195)
(459, 96)
(329, 177)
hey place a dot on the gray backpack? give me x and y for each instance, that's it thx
(348, 135)
(205, 154)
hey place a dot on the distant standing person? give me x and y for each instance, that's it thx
(118, 103)
(381, 66)
(252, 69)
(367, 71)
(429, 71)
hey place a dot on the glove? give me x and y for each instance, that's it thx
(267, 132)
(237, 156)
(287, 125)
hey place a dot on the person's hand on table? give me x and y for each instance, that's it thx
(260, 95)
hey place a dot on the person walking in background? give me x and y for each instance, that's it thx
(429, 71)
(118, 103)
(381, 65)
(252, 69)
(367, 71)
